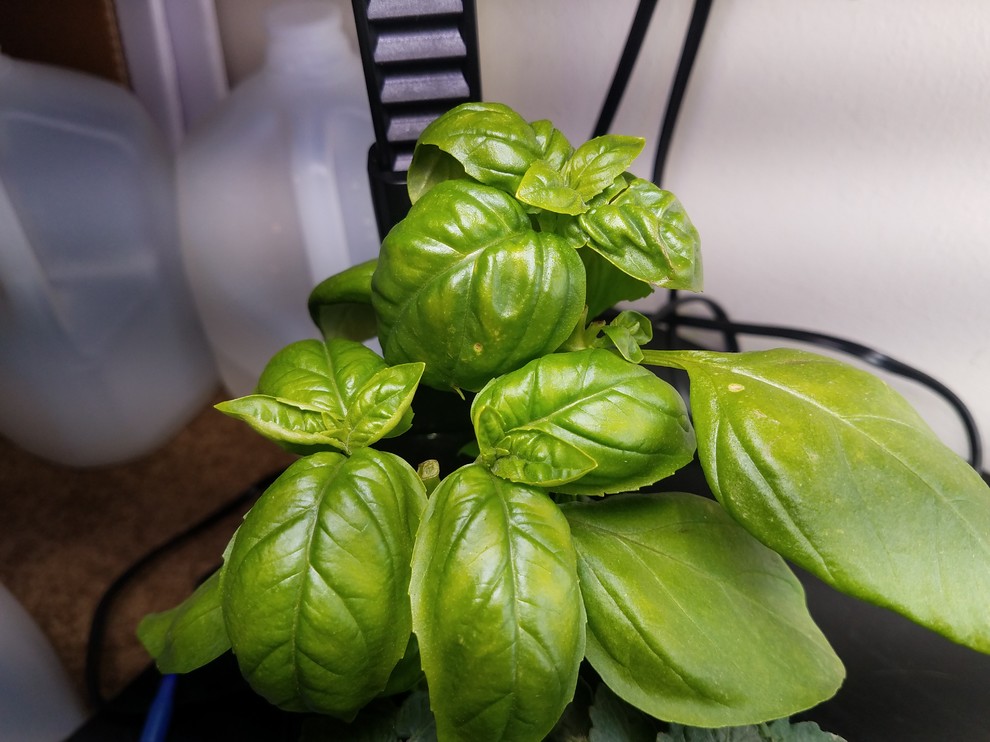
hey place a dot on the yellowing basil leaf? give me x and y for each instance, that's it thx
(620, 417)
(315, 585)
(496, 608)
(690, 618)
(832, 468)
(189, 635)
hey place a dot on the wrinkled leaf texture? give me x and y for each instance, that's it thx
(466, 285)
(315, 585)
(496, 608)
(585, 422)
(336, 395)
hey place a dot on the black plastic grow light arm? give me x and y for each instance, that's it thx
(420, 59)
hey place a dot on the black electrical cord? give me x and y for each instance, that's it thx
(97, 631)
(630, 52)
(668, 319)
(689, 52)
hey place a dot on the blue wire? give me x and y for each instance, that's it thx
(160, 713)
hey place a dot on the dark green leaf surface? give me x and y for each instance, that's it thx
(335, 395)
(829, 466)
(341, 304)
(315, 585)
(190, 635)
(465, 285)
(645, 232)
(496, 608)
(545, 423)
(607, 285)
(780, 730)
(613, 720)
(690, 618)
(493, 144)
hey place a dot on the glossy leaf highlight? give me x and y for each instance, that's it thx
(466, 285)
(315, 586)
(645, 232)
(585, 422)
(496, 608)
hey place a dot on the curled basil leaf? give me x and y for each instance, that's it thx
(489, 142)
(336, 395)
(189, 635)
(645, 232)
(554, 147)
(690, 618)
(586, 422)
(341, 304)
(496, 608)
(315, 586)
(832, 468)
(465, 285)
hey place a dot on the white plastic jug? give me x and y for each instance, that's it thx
(273, 191)
(102, 357)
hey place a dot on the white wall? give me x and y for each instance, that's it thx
(834, 154)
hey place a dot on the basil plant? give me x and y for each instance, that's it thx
(359, 574)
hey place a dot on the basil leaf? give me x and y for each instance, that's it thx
(430, 166)
(335, 395)
(294, 426)
(314, 589)
(493, 144)
(690, 618)
(632, 425)
(189, 635)
(645, 232)
(381, 403)
(832, 468)
(341, 304)
(596, 164)
(465, 285)
(628, 332)
(554, 147)
(545, 188)
(496, 608)
(607, 285)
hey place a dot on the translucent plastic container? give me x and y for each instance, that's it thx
(102, 357)
(273, 191)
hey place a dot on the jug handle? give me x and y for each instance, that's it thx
(318, 205)
(25, 293)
